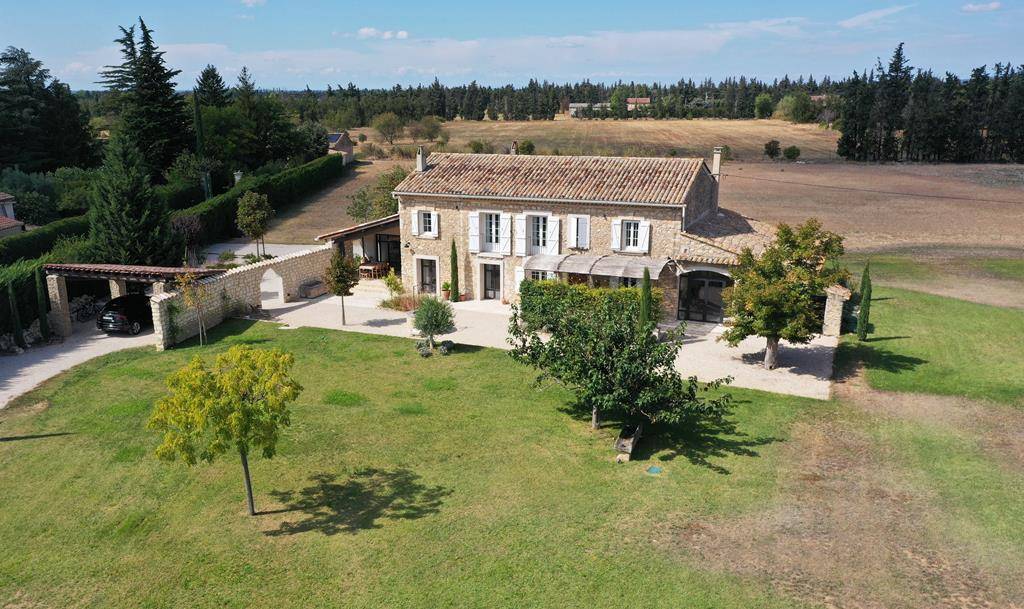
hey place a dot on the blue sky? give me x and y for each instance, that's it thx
(289, 44)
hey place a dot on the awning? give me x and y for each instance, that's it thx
(607, 266)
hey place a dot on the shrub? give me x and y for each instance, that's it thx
(35, 208)
(527, 147)
(796, 108)
(476, 146)
(362, 137)
(792, 153)
(402, 302)
(393, 283)
(772, 149)
(544, 305)
(764, 106)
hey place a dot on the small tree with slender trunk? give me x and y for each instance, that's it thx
(341, 277)
(455, 293)
(193, 293)
(240, 403)
(864, 317)
(774, 295)
(254, 215)
(434, 317)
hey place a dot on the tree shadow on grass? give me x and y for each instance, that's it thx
(700, 444)
(38, 436)
(358, 502)
(879, 358)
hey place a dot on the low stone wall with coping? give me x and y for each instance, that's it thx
(236, 292)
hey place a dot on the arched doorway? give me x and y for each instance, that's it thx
(700, 296)
(271, 289)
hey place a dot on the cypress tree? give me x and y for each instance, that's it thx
(211, 88)
(454, 296)
(129, 224)
(153, 116)
(41, 301)
(645, 299)
(16, 328)
(865, 303)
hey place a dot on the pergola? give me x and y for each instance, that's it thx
(117, 275)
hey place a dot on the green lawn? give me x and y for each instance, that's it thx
(403, 482)
(933, 344)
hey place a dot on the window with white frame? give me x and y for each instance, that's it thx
(542, 275)
(631, 234)
(426, 222)
(538, 234)
(491, 241)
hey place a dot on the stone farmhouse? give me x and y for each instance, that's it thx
(9, 225)
(341, 143)
(594, 220)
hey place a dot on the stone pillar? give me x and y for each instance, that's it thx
(60, 308)
(118, 287)
(159, 287)
(837, 297)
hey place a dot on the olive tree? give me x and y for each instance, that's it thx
(388, 125)
(433, 317)
(240, 403)
(774, 295)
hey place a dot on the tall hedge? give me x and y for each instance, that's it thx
(545, 304)
(37, 242)
(217, 215)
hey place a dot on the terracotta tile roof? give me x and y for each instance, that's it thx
(719, 239)
(652, 181)
(358, 228)
(126, 271)
(638, 100)
(6, 223)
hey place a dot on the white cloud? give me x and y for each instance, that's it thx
(872, 17)
(368, 33)
(982, 8)
(400, 57)
(253, 3)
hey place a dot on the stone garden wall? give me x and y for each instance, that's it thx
(236, 292)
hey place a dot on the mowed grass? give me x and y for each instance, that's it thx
(933, 344)
(402, 482)
(746, 138)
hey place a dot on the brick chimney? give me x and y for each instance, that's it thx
(421, 159)
(515, 148)
(716, 163)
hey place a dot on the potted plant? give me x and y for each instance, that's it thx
(446, 290)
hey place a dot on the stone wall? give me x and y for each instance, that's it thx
(837, 297)
(236, 292)
(702, 198)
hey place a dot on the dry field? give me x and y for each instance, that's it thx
(746, 138)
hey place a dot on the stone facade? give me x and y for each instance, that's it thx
(453, 223)
(236, 292)
(60, 313)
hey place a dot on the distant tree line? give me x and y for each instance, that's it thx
(894, 113)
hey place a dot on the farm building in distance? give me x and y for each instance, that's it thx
(632, 103)
(341, 143)
(578, 108)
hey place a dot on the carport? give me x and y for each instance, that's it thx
(117, 275)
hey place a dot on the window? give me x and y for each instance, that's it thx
(426, 222)
(629, 282)
(492, 232)
(631, 234)
(539, 232)
(541, 275)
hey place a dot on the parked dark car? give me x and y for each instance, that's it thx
(129, 314)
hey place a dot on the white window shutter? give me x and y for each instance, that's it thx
(617, 234)
(645, 235)
(583, 232)
(435, 224)
(505, 233)
(520, 235)
(474, 232)
(415, 227)
(520, 275)
(573, 239)
(553, 223)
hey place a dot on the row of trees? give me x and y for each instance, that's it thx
(895, 113)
